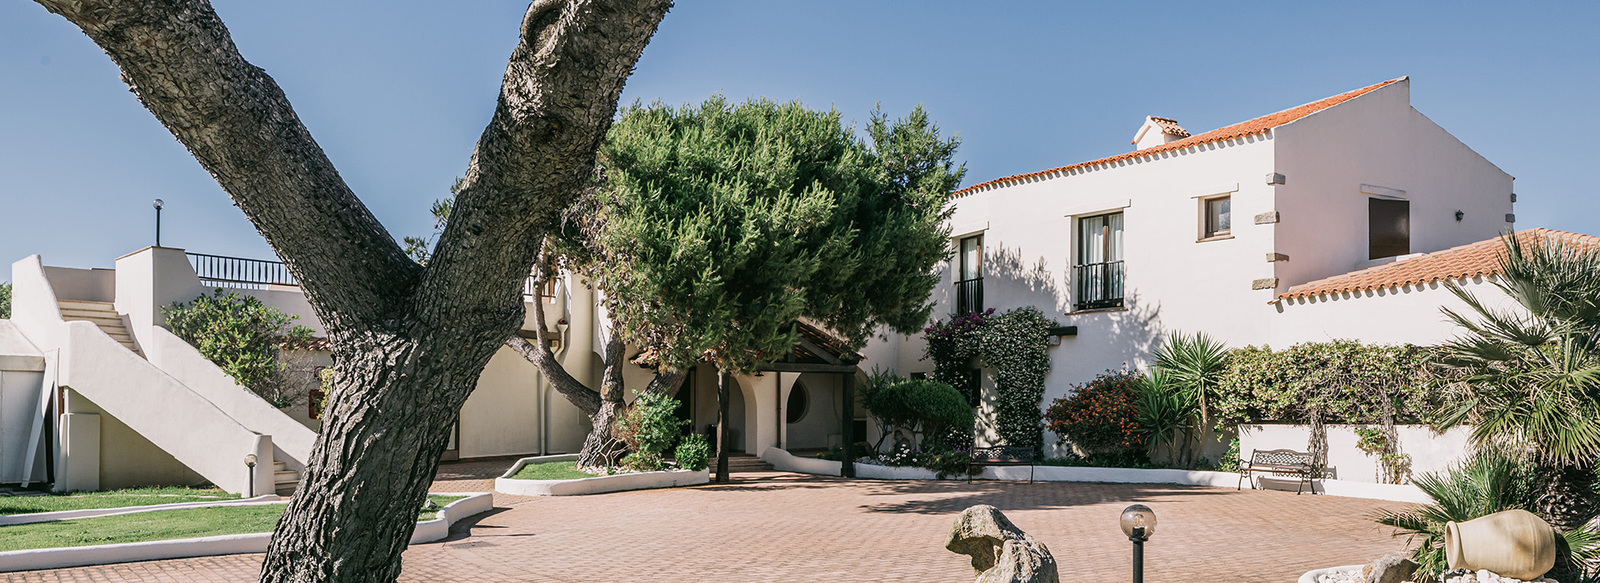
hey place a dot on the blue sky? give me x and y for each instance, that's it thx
(397, 93)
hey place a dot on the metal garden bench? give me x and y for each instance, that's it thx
(1279, 462)
(1001, 455)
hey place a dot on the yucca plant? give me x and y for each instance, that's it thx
(1166, 412)
(1491, 480)
(1194, 361)
(1529, 378)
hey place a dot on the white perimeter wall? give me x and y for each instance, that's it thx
(1429, 451)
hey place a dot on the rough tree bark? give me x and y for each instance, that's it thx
(408, 342)
(602, 447)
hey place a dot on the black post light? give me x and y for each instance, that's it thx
(249, 462)
(158, 204)
(1138, 522)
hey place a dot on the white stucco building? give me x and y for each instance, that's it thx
(1222, 232)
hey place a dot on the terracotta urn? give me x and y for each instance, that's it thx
(1511, 543)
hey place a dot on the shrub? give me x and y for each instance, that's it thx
(1339, 382)
(1489, 481)
(651, 426)
(642, 461)
(5, 301)
(1166, 412)
(934, 409)
(693, 453)
(241, 335)
(1101, 416)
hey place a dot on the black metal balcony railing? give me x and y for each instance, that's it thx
(1099, 285)
(969, 296)
(240, 272)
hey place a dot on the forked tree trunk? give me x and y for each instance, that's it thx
(603, 448)
(409, 341)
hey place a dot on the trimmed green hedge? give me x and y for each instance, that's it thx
(1342, 381)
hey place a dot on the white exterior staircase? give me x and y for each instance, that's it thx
(101, 314)
(284, 479)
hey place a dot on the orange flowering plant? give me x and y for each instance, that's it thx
(1101, 416)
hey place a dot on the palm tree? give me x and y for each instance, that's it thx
(1194, 361)
(1529, 378)
(1166, 412)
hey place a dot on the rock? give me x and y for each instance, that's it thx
(1394, 568)
(1001, 552)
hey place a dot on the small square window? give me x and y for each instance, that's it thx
(1219, 218)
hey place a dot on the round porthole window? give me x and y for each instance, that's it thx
(799, 401)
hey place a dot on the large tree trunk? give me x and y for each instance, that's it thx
(603, 448)
(409, 342)
(385, 429)
(1568, 496)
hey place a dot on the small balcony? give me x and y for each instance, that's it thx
(969, 296)
(1099, 285)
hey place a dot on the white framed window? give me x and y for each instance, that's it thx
(1216, 217)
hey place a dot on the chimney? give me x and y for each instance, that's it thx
(1157, 131)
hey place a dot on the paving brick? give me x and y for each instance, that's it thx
(779, 527)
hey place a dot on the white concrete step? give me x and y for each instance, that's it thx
(285, 476)
(86, 305)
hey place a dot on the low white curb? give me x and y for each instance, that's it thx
(788, 462)
(93, 512)
(1311, 576)
(230, 544)
(506, 484)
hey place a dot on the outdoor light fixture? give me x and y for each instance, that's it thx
(1460, 215)
(249, 458)
(1138, 522)
(158, 204)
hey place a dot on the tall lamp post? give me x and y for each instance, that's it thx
(1138, 522)
(158, 204)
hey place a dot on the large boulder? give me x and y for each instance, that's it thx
(1001, 552)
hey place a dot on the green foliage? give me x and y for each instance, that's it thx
(5, 301)
(1015, 344)
(1101, 416)
(693, 453)
(1340, 382)
(1491, 480)
(643, 461)
(930, 408)
(725, 224)
(1167, 410)
(1194, 361)
(1393, 467)
(1531, 377)
(651, 426)
(1230, 460)
(241, 335)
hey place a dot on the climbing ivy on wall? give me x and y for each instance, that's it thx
(1015, 344)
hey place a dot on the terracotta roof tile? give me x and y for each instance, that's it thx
(1170, 126)
(1255, 126)
(1471, 260)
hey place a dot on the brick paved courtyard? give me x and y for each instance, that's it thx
(790, 527)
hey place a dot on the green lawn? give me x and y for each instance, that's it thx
(551, 471)
(109, 499)
(159, 525)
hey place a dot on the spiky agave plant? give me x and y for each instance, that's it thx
(1491, 480)
(1530, 377)
(1194, 361)
(1166, 412)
